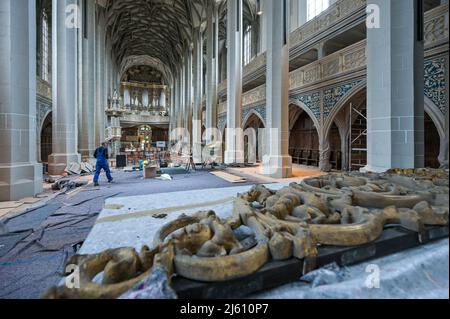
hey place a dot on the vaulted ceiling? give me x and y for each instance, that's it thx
(159, 30)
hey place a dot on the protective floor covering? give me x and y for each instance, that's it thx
(35, 246)
(418, 273)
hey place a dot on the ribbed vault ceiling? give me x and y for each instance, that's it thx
(160, 29)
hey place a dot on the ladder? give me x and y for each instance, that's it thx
(357, 139)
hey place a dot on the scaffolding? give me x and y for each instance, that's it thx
(357, 138)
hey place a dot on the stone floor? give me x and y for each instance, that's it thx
(298, 172)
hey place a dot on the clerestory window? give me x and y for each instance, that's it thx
(247, 45)
(45, 47)
(316, 7)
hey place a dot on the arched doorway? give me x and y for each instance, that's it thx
(304, 139)
(46, 139)
(432, 146)
(254, 122)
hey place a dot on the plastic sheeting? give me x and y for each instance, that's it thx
(418, 273)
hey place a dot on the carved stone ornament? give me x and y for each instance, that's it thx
(336, 209)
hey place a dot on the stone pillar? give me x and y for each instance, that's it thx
(324, 154)
(87, 125)
(277, 163)
(172, 112)
(65, 144)
(197, 105)
(20, 174)
(107, 75)
(187, 90)
(234, 152)
(100, 87)
(179, 99)
(182, 92)
(342, 122)
(395, 81)
(212, 48)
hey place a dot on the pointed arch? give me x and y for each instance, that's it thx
(357, 89)
(249, 115)
(304, 108)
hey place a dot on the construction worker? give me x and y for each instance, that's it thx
(101, 154)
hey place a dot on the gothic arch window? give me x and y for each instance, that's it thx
(248, 45)
(316, 7)
(45, 56)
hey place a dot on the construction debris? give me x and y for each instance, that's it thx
(87, 168)
(78, 169)
(164, 177)
(67, 184)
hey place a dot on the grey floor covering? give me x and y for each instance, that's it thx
(36, 245)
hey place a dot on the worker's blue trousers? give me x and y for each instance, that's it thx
(102, 165)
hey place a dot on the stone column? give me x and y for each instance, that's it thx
(187, 114)
(20, 174)
(234, 152)
(197, 105)
(182, 93)
(172, 112)
(179, 99)
(212, 60)
(277, 163)
(395, 81)
(87, 125)
(107, 74)
(324, 154)
(65, 143)
(100, 87)
(342, 122)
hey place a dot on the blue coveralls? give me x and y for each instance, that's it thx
(101, 154)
